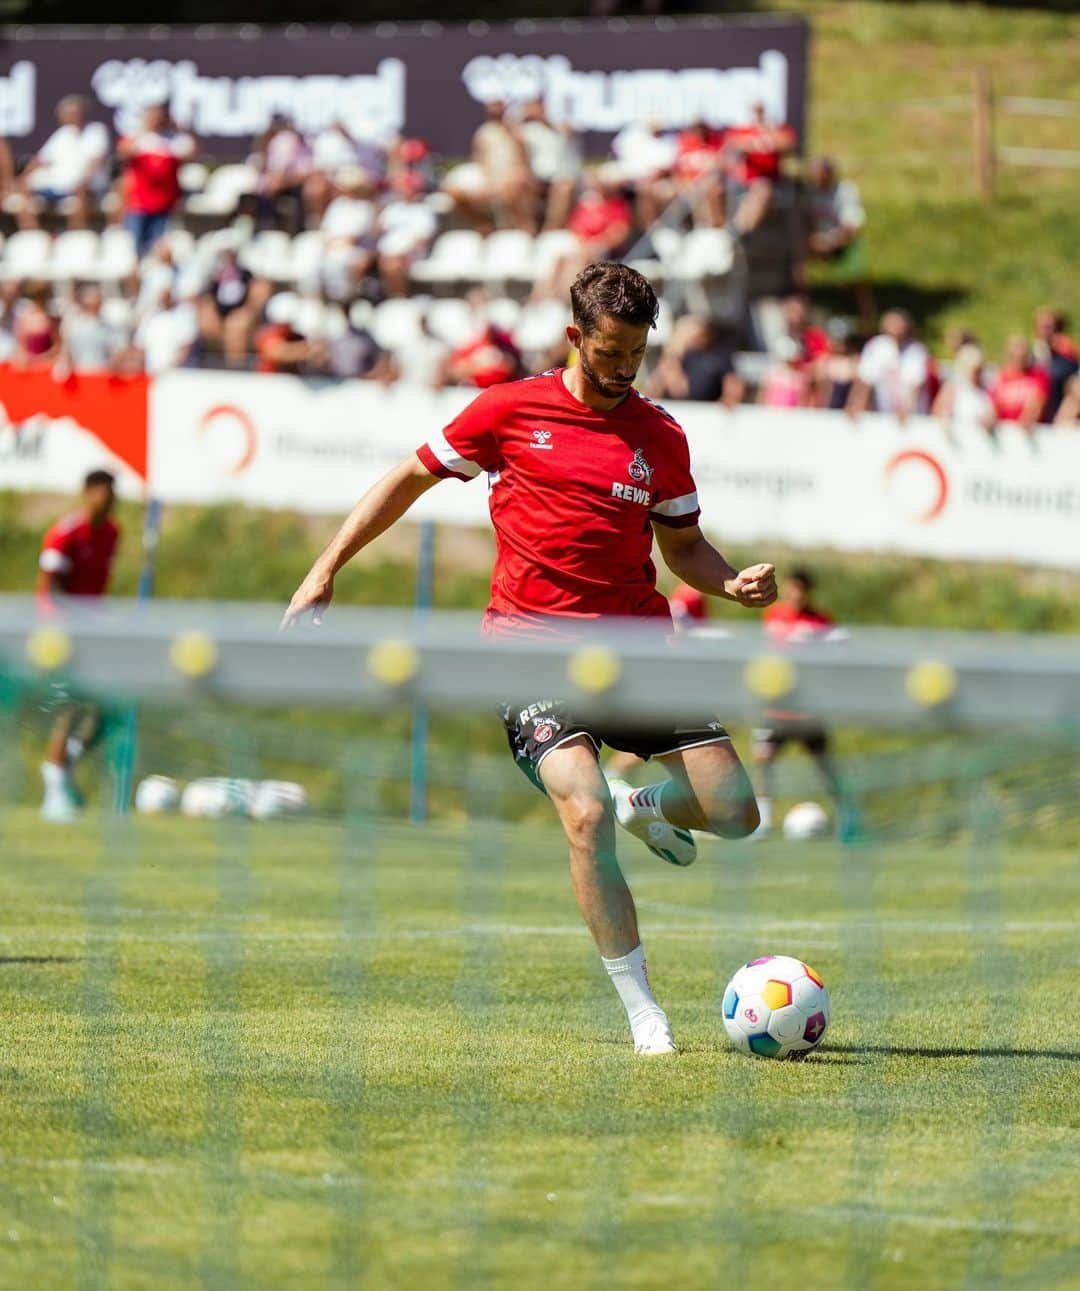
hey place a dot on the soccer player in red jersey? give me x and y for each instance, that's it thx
(792, 621)
(76, 561)
(583, 473)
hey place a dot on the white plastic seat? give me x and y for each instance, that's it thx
(396, 323)
(509, 256)
(360, 315)
(269, 256)
(550, 247)
(664, 320)
(118, 313)
(541, 325)
(118, 258)
(224, 188)
(456, 256)
(452, 320)
(192, 176)
(75, 255)
(181, 243)
(705, 253)
(26, 255)
(310, 318)
(306, 255)
(667, 243)
(504, 313)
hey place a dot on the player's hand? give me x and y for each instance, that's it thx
(314, 593)
(753, 587)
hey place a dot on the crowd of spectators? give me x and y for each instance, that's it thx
(356, 215)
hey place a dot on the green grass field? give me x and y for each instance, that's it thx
(354, 1054)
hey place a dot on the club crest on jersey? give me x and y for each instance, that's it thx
(543, 732)
(639, 469)
(541, 439)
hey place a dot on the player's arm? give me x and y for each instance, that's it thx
(693, 559)
(379, 508)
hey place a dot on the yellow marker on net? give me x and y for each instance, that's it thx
(393, 662)
(595, 669)
(931, 683)
(770, 677)
(194, 654)
(49, 648)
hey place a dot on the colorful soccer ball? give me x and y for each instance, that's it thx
(804, 821)
(776, 1007)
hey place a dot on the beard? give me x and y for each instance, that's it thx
(601, 387)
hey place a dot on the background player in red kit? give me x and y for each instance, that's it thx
(76, 560)
(583, 473)
(790, 622)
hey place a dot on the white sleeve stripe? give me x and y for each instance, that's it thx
(450, 457)
(683, 506)
(54, 562)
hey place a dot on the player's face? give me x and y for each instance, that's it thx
(611, 355)
(99, 501)
(797, 594)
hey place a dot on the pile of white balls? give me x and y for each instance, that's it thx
(214, 797)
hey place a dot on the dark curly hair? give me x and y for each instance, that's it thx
(615, 290)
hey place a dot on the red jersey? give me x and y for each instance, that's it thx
(759, 150)
(786, 625)
(573, 495)
(81, 554)
(151, 182)
(1014, 388)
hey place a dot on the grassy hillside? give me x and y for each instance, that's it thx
(879, 75)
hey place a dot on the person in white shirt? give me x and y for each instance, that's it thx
(71, 163)
(963, 400)
(167, 335)
(894, 368)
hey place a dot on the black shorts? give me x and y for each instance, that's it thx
(807, 731)
(534, 729)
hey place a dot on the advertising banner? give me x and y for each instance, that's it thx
(225, 84)
(807, 478)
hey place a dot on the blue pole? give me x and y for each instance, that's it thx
(418, 762)
(125, 759)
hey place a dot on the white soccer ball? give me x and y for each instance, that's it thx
(214, 797)
(776, 1007)
(804, 821)
(278, 798)
(156, 795)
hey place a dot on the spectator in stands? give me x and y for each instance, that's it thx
(10, 303)
(962, 399)
(894, 370)
(283, 162)
(229, 308)
(409, 168)
(696, 363)
(554, 157)
(835, 372)
(602, 222)
(1058, 353)
(1021, 388)
(71, 165)
(87, 342)
(7, 170)
(405, 228)
(835, 220)
(496, 188)
(355, 354)
(754, 155)
(812, 341)
(488, 358)
(168, 335)
(424, 361)
(280, 347)
(644, 162)
(786, 384)
(349, 237)
(151, 185)
(699, 173)
(1068, 413)
(37, 334)
(333, 150)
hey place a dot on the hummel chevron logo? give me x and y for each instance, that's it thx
(540, 438)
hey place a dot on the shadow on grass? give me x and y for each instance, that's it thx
(37, 959)
(989, 1051)
(922, 303)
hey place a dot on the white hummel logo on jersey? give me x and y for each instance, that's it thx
(541, 438)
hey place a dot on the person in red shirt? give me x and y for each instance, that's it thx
(1021, 388)
(755, 152)
(793, 621)
(76, 560)
(151, 183)
(583, 474)
(487, 359)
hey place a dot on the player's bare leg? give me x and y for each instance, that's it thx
(572, 778)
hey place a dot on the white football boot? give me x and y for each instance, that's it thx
(669, 842)
(652, 1035)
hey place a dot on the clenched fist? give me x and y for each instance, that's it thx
(753, 587)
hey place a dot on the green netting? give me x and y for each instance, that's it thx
(350, 1050)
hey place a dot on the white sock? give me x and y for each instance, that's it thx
(646, 801)
(764, 806)
(55, 777)
(631, 980)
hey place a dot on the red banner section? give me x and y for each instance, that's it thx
(112, 409)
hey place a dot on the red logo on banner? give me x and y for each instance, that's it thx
(233, 425)
(921, 480)
(111, 408)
